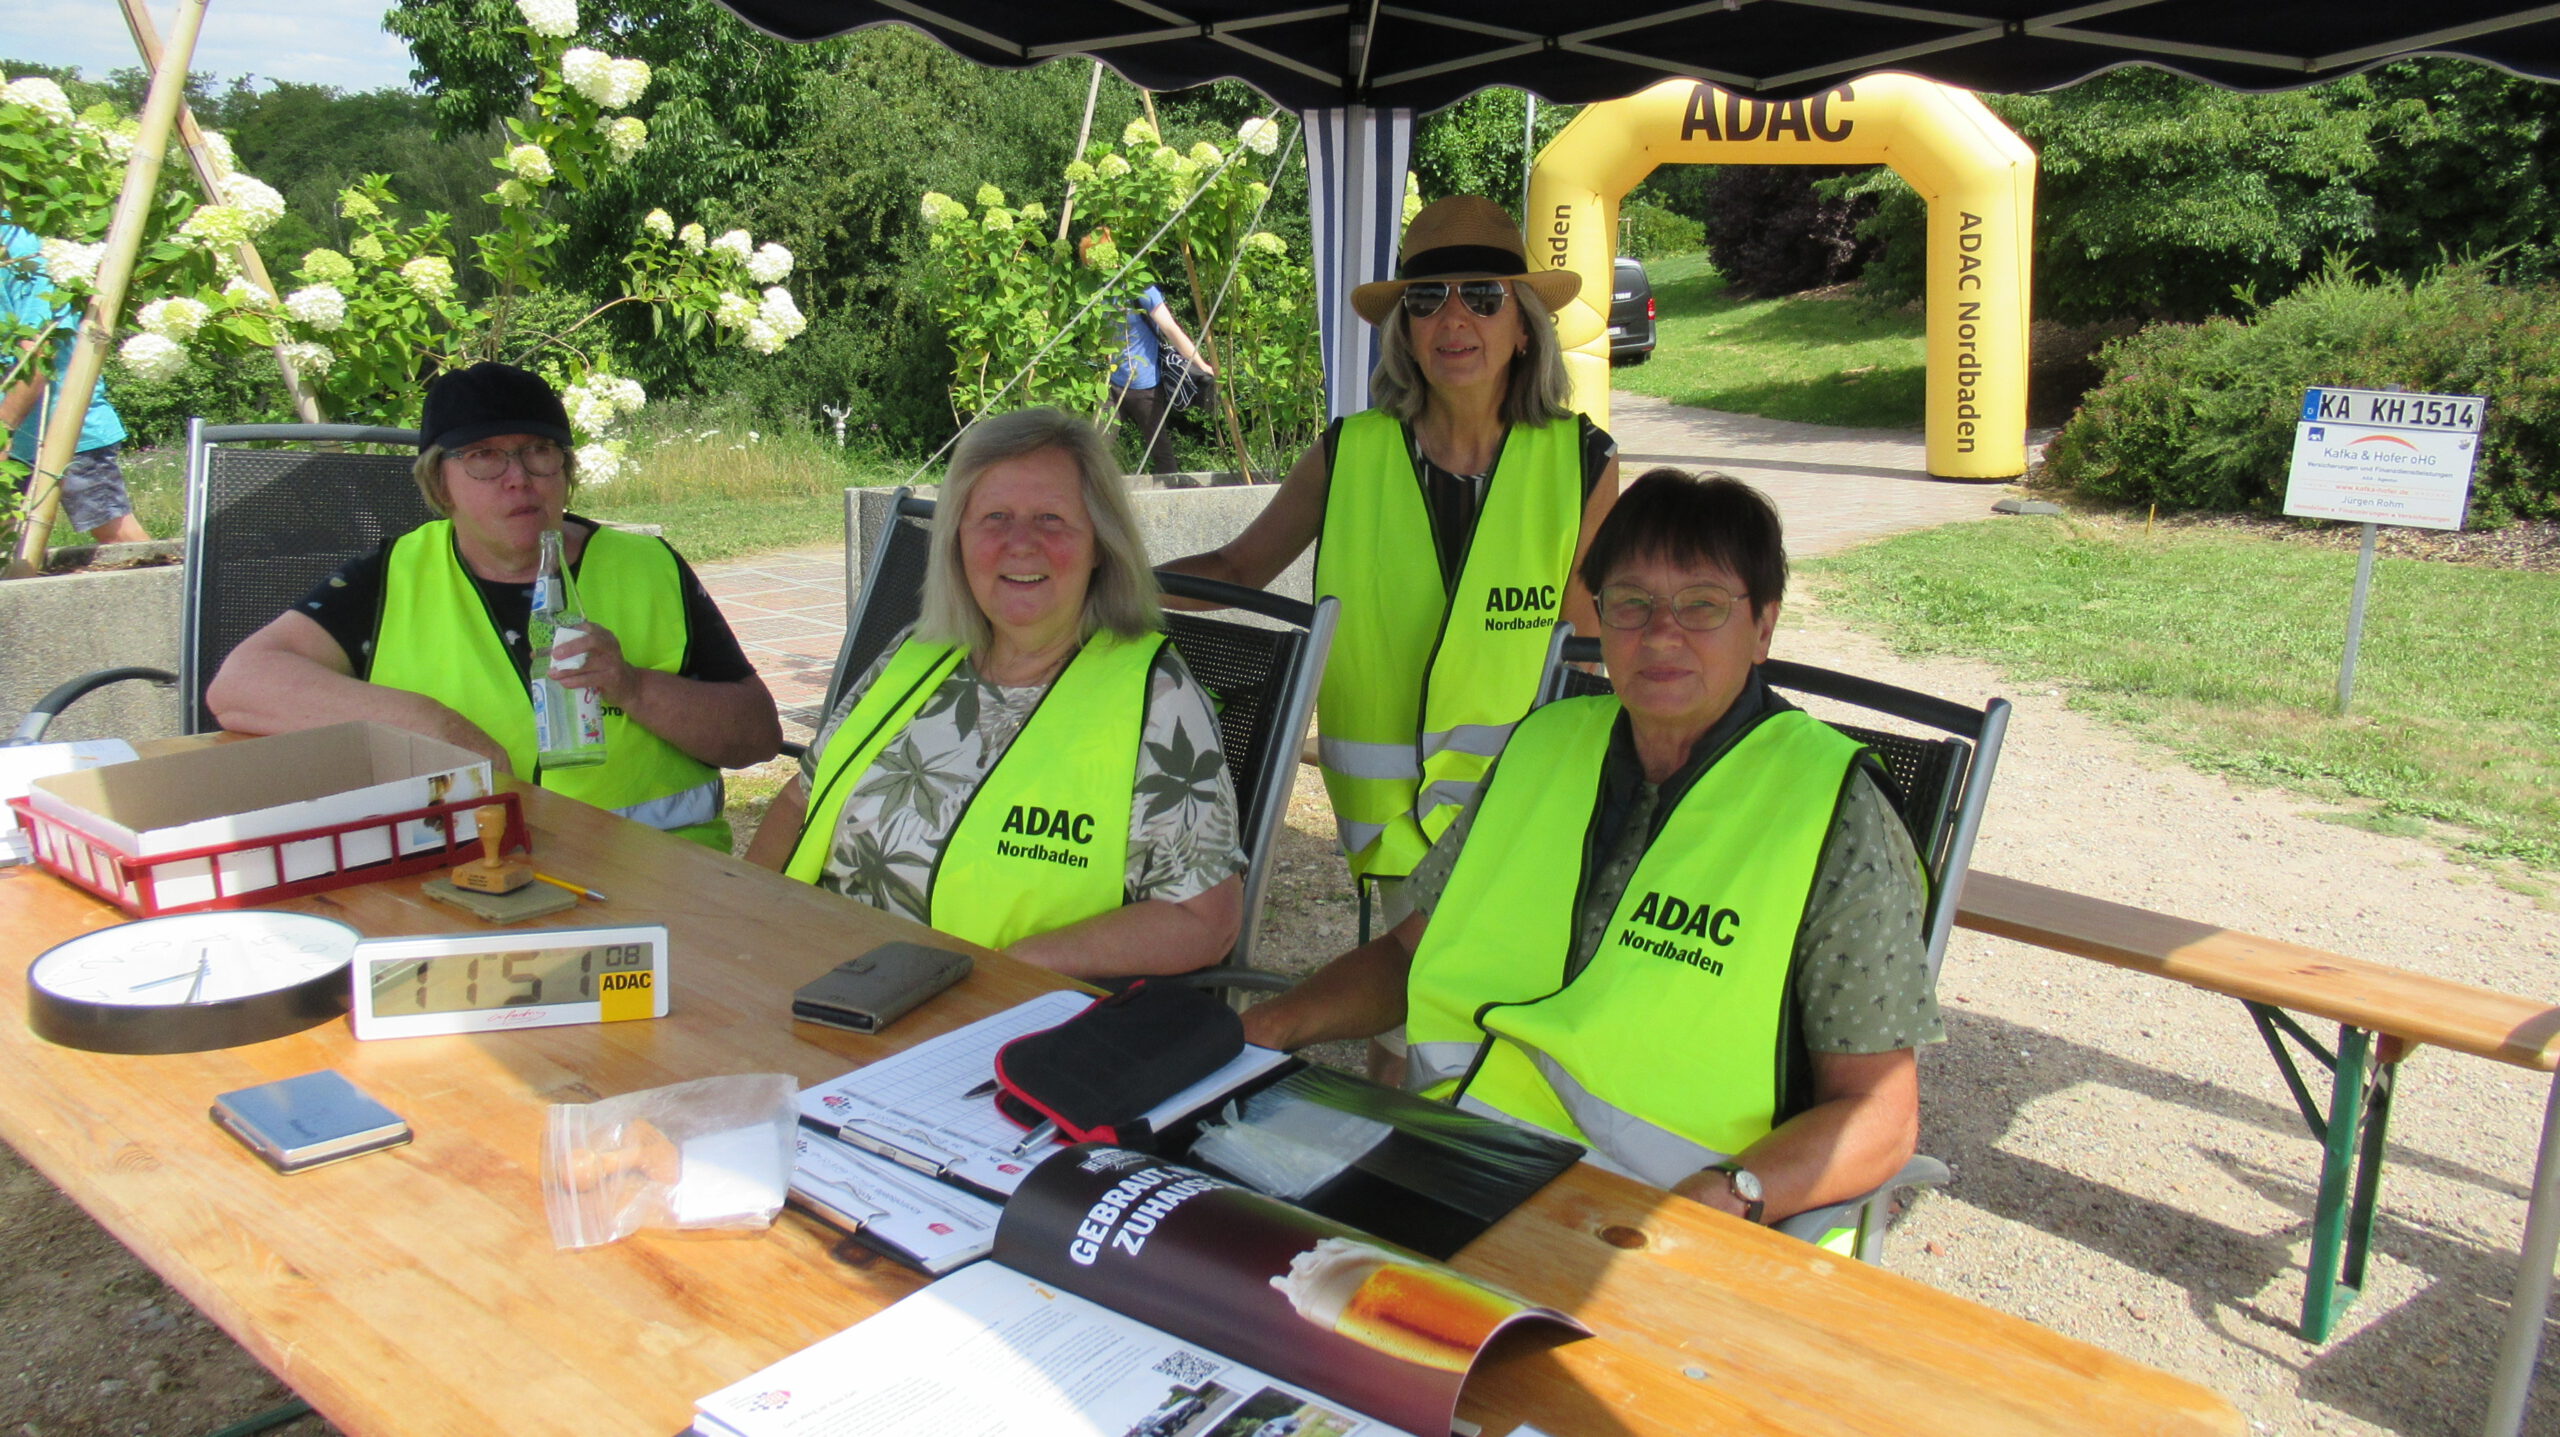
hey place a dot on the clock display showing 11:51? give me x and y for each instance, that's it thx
(476, 983)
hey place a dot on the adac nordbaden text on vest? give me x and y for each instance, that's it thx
(1532, 606)
(1674, 919)
(1033, 821)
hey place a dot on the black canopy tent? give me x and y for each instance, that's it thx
(1423, 54)
(1358, 71)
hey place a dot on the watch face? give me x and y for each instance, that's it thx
(1746, 1184)
(191, 982)
(193, 958)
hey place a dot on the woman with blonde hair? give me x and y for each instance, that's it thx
(1033, 768)
(1450, 517)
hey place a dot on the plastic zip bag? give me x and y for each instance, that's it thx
(713, 1154)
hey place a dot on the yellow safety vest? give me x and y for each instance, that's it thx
(1664, 1053)
(1044, 841)
(1425, 681)
(435, 637)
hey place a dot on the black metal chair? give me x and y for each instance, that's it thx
(1938, 786)
(1261, 676)
(263, 526)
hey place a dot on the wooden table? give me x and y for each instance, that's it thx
(417, 1291)
(2368, 1002)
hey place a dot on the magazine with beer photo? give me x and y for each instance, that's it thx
(1132, 1297)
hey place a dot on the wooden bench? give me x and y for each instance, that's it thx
(2368, 1002)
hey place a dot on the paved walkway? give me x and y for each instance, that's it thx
(1834, 487)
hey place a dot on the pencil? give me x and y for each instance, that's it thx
(574, 888)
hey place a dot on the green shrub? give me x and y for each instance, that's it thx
(2201, 416)
(1650, 231)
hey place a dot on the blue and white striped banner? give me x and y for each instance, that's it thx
(1356, 161)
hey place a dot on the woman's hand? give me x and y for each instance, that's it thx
(593, 660)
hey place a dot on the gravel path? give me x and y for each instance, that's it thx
(2129, 1169)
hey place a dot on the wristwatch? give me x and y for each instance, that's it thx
(1746, 1186)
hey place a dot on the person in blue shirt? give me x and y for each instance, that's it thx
(1137, 390)
(93, 493)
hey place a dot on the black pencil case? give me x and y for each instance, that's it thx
(1096, 1074)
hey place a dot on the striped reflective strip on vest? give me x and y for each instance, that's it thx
(698, 804)
(1619, 1140)
(1369, 760)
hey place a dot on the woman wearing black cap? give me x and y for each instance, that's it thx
(429, 632)
(1450, 517)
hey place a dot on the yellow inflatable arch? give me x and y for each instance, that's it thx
(1978, 177)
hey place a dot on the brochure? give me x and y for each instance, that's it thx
(1132, 1297)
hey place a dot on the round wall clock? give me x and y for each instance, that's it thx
(191, 982)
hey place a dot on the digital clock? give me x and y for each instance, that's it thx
(496, 982)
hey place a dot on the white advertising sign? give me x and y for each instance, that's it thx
(2375, 457)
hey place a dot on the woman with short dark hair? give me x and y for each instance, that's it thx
(1681, 924)
(1033, 768)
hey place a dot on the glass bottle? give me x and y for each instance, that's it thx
(568, 724)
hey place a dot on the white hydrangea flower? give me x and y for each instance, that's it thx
(997, 220)
(694, 238)
(1032, 213)
(1102, 255)
(598, 464)
(176, 318)
(531, 164)
(770, 264)
(733, 311)
(626, 393)
(217, 148)
(1259, 135)
(589, 412)
(941, 209)
(589, 72)
(322, 306)
(369, 249)
(763, 338)
(625, 138)
(1079, 173)
(42, 96)
(256, 200)
(243, 292)
(1138, 132)
(73, 263)
(357, 205)
(514, 192)
(215, 227)
(327, 266)
(659, 223)
(430, 277)
(115, 140)
(782, 312)
(1266, 242)
(1204, 153)
(311, 359)
(153, 356)
(989, 195)
(737, 244)
(1111, 167)
(1258, 192)
(1166, 157)
(551, 19)
(624, 82)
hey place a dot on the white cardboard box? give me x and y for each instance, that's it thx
(224, 793)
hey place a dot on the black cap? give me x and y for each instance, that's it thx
(467, 405)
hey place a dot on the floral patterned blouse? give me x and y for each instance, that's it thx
(1183, 828)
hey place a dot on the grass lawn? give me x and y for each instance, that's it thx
(1835, 361)
(2226, 648)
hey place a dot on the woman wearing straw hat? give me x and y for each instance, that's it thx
(1450, 516)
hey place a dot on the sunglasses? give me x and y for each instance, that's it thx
(540, 460)
(1424, 297)
(1700, 608)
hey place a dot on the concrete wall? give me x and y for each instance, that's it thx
(1171, 522)
(59, 627)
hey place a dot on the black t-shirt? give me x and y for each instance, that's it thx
(1455, 501)
(348, 604)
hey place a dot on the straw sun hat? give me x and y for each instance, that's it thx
(1463, 237)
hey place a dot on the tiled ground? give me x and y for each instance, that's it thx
(1834, 487)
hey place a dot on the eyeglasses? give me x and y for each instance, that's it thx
(1424, 297)
(540, 460)
(1700, 608)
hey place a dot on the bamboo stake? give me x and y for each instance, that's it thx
(1084, 132)
(106, 304)
(146, 38)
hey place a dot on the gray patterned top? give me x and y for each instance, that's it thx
(1183, 829)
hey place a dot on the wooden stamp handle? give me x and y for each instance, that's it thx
(492, 818)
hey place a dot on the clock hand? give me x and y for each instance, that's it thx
(204, 965)
(195, 972)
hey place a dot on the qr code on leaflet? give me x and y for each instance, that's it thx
(1186, 1368)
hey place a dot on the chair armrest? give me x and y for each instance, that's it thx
(31, 728)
